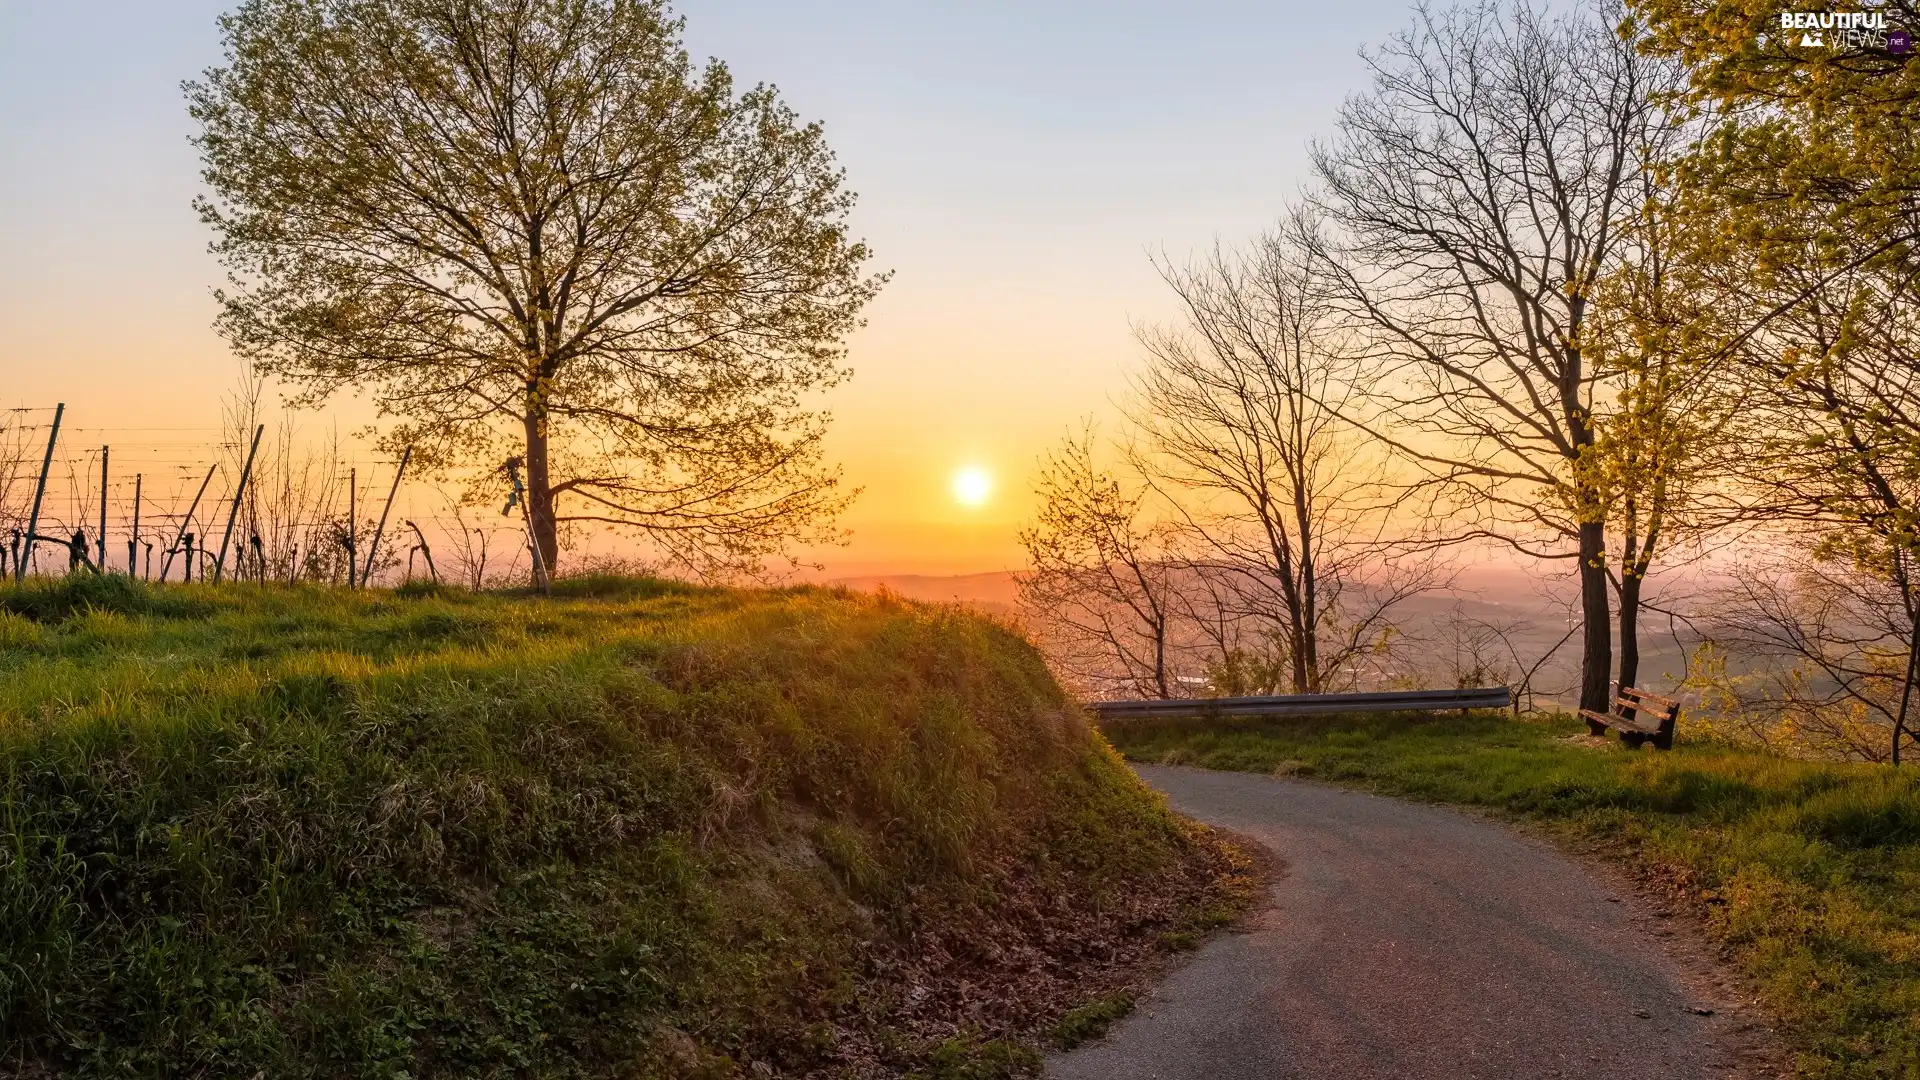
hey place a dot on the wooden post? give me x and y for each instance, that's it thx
(100, 540)
(185, 524)
(519, 495)
(540, 575)
(373, 550)
(39, 493)
(188, 539)
(133, 538)
(353, 530)
(239, 493)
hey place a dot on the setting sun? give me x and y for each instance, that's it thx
(971, 486)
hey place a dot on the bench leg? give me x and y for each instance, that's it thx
(1597, 728)
(1664, 740)
(1633, 739)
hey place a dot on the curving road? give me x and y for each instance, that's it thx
(1407, 941)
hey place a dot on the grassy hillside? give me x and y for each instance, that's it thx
(634, 830)
(1808, 872)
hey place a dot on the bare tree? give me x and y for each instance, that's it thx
(1239, 418)
(1242, 651)
(1830, 430)
(1470, 650)
(532, 227)
(470, 544)
(295, 501)
(67, 516)
(22, 446)
(1812, 653)
(1101, 590)
(17, 467)
(1479, 191)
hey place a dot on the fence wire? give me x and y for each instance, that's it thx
(160, 503)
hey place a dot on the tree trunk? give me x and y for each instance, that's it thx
(540, 489)
(1160, 660)
(1596, 658)
(1906, 689)
(1309, 665)
(1629, 627)
(1297, 628)
(1309, 579)
(1298, 646)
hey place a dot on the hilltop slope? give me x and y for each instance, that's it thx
(639, 830)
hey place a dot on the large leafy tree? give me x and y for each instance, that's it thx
(1810, 174)
(1665, 443)
(534, 228)
(1813, 151)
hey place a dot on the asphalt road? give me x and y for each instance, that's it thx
(1408, 941)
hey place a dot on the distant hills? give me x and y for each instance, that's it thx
(1531, 609)
(993, 592)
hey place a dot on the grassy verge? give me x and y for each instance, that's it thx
(1808, 872)
(636, 830)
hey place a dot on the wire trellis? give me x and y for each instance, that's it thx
(201, 503)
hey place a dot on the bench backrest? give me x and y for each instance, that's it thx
(1643, 703)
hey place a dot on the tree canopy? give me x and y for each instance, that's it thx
(1812, 150)
(535, 228)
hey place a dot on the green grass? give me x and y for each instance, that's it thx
(638, 830)
(1090, 1021)
(1808, 872)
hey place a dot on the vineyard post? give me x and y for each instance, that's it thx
(100, 541)
(39, 492)
(373, 549)
(133, 538)
(185, 524)
(239, 493)
(353, 530)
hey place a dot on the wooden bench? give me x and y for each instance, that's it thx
(1639, 716)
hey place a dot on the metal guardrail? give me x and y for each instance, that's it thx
(1490, 697)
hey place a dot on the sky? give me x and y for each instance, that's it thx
(1017, 165)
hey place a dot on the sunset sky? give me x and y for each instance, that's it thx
(1016, 164)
